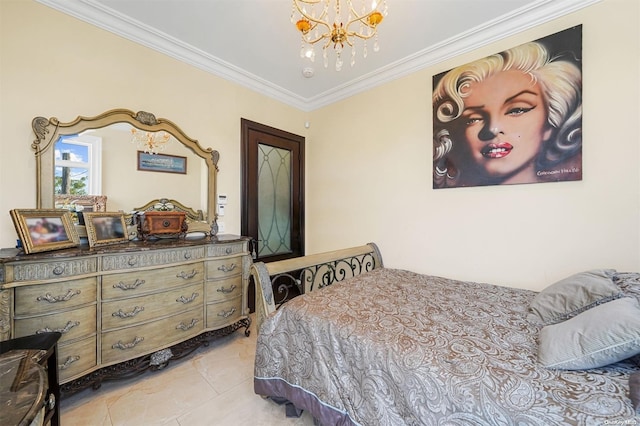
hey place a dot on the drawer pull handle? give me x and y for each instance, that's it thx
(187, 255)
(229, 250)
(227, 314)
(70, 360)
(125, 346)
(184, 327)
(226, 290)
(54, 299)
(187, 275)
(225, 268)
(186, 300)
(131, 314)
(132, 261)
(63, 330)
(122, 286)
(58, 270)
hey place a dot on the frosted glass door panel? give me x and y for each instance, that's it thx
(274, 201)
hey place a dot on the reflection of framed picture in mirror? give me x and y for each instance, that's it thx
(162, 163)
(44, 229)
(105, 228)
(89, 203)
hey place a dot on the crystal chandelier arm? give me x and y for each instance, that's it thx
(326, 35)
(328, 43)
(314, 21)
(363, 20)
(311, 2)
(359, 35)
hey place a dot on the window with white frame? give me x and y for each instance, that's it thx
(78, 165)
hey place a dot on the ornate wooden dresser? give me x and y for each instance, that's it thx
(126, 308)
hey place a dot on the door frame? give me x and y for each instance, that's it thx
(246, 127)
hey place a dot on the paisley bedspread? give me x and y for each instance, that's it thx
(392, 347)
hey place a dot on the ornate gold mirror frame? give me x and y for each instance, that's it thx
(48, 131)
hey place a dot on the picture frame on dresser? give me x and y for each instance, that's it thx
(89, 203)
(42, 230)
(105, 228)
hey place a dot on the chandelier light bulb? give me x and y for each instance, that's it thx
(375, 18)
(303, 25)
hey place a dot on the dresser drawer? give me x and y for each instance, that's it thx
(76, 358)
(220, 314)
(130, 311)
(40, 271)
(124, 261)
(73, 324)
(131, 284)
(54, 297)
(223, 268)
(120, 345)
(226, 249)
(221, 290)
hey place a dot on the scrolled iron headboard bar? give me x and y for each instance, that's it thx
(334, 266)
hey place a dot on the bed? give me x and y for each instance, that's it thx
(369, 345)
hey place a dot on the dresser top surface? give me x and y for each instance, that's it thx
(8, 255)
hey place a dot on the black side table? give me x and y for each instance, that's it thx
(45, 347)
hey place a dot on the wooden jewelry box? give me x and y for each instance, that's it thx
(161, 224)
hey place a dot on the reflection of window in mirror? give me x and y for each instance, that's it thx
(78, 164)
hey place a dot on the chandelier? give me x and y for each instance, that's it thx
(150, 142)
(312, 18)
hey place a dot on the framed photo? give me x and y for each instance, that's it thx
(162, 163)
(85, 203)
(105, 228)
(44, 229)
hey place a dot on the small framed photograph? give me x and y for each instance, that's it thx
(105, 228)
(44, 229)
(84, 203)
(162, 163)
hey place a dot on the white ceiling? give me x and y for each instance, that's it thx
(253, 43)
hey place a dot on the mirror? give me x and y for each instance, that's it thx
(179, 167)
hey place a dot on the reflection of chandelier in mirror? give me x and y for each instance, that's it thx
(308, 15)
(150, 142)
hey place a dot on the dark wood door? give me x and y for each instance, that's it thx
(272, 193)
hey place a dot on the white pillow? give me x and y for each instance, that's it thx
(600, 336)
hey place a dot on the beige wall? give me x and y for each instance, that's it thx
(368, 157)
(129, 188)
(377, 187)
(53, 65)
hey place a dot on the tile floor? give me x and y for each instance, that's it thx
(212, 386)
